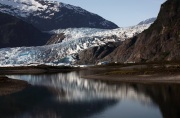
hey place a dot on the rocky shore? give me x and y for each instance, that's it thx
(9, 86)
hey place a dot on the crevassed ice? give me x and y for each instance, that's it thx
(77, 39)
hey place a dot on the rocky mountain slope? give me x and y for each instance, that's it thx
(49, 15)
(93, 55)
(161, 42)
(15, 32)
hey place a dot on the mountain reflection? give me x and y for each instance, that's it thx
(67, 95)
(71, 87)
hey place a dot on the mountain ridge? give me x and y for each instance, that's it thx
(147, 21)
(50, 15)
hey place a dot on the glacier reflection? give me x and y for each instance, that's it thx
(70, 87)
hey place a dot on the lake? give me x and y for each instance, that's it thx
(67, 95)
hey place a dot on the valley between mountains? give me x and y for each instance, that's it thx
(51, 33)
(62, 61)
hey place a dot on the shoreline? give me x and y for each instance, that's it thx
(137, 73)
(127, 73)
(10, 86)
(35, 69)
(146, 79)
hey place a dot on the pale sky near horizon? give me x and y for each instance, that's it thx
(122, 12)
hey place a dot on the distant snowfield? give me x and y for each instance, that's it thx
(23, 7)
(77, 39)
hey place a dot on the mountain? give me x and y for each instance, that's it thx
(66, 44)
(15, 32)
(150, 20)
(50, 15)
(161, 42)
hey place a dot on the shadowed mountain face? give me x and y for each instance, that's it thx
(15, 32)
(158, 43)
(50, 15)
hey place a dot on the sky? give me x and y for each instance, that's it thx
(122, 12)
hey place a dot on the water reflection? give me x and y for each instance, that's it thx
(71, 87)
(37, 102)
(67, 95)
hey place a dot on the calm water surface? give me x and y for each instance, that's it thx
(67, 95)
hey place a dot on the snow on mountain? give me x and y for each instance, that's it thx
(48, 15)
(64, 52)
(150, 20)
(22, 7)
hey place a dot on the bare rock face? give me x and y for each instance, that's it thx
(94, 54)
(161, 42)
(57, 38)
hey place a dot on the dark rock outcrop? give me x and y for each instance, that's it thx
(56, 38)
(15, 33)
(94, 54)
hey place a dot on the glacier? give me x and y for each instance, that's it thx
(63, 53)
